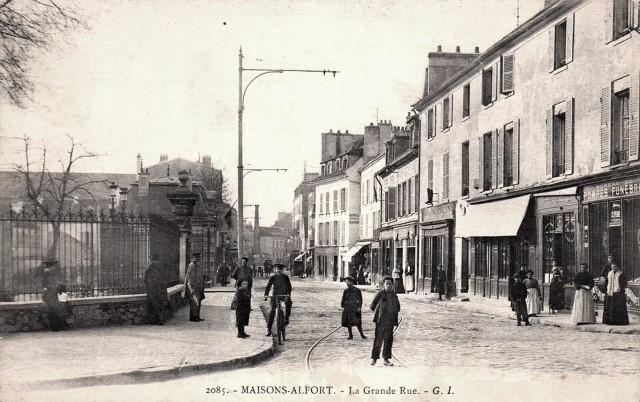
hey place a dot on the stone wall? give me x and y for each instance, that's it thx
(85, 312)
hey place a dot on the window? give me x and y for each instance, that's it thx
(368, 192)
(335, 201)
(621, 23)
(620, 128)
(445, 175)
(466, 93)
(507, 74)
(326, 202)
(342, 232)
(465, 169)
(410, 197)
(386, 206)
(335, 233)
(486, 167)
(392, 203)
(561, 43)
(508, 156)
(321, 203)
(560, 139)
(344, 162)
(430, 179)
(322, 172)
(446, 123)
(487, 86)
(619, 116)
(343, 199)
(338, 165)
(431, 132)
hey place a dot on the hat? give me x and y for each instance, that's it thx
(387, 278)
(350, 278)
(530, 271)
(244, 258)
(196, 254)
(278, 265)
(49, 262)
(516, 276)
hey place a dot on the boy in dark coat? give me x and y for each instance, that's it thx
(157, 297)
(352, 305)
(519, 297)
(386, 307)
(243, 309)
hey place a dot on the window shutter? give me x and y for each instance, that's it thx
(568, 137)
(450, 110)
(507, 74)
(481, 163)
(605, 134)
(635, 14)
(444, 170)
(441, 104)
(494, 81)
(569, 39)
(634, 115)
(551, 49)
(515, 162)
(608, 23)
(494, 159)
(435, 119)
(549, 146)
(500, 159)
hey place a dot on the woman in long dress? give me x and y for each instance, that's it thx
(409, 282)
(556, 288)
(583, 311)
(615, 300)
(398, 286)
(534, 295)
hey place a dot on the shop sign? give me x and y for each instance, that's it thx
(613, 189)
(438, 212)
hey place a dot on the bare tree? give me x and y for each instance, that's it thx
(50, 192)
(213, 180)
(27, 25)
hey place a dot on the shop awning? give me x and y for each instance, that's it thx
(562, 192)
(491, 219)
(300, 257)
(309, 258)
(354, 250)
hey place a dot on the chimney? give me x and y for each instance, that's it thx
(164, 158)
(477, 49)
(138, 164)
(457, 49)
(206, 160)
(439, 48)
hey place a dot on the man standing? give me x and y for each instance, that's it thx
(243, 272)
(282, 289)
(441, 282)
(519, 297)
(352, 307)
(194, 287)
(607, 267)
(386, 307)
(157, 297)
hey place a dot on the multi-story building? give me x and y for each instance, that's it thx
(300, 231)
(273, 244)
(535, 144)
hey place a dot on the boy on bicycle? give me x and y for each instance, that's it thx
(281, 286)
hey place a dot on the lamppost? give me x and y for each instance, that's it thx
(114, 192)
(242, 91)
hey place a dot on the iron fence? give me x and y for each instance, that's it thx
(98, 254)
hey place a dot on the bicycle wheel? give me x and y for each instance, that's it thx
(279, 325)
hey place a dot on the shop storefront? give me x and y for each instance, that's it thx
(398, 246)
(612, 226)
(437, 247)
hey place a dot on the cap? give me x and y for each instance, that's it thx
(349, 278)
(387, 278)
(196, 254)
(49, 262)
(278, 265)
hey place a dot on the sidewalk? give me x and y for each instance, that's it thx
(126, 354)
(501, 308)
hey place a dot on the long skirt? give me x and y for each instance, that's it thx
(533, 301)
(409, 283)
(615, 309)
(556, 296)
(398, 286)
(583, 310)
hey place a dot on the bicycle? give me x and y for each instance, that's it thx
(279, 319)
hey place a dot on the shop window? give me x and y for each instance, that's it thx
(465, 169)
(559, 243)
(486, 165)
(620, 128)
(445, 175)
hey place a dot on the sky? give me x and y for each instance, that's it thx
(161, 77)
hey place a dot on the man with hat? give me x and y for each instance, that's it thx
(243, 272)
(386, 308)
(56, 316)
(157, 297)
(519, 298)
(352, 307)
(281, 287)
(194, 287)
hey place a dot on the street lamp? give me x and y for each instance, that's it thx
(114, 192)
(242, 91)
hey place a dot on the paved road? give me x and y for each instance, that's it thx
(481, 357)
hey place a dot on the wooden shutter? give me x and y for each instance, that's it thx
(635, 14)
(494, 81)
(515, 162)
(450, 110)
(605, 132)
(568, 137)
(481, 163)
(608, 22)
(435, 119)
(551, 50)
(500, 158)
(549, 145)
(494, 158)
(507, 74)
(634, 115)
(569, 39)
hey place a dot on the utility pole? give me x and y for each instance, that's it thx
(242, 91)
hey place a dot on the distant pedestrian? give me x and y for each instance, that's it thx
(615, 300)
(441, 282)
(243, 308)
(409, 281)
(352, 307)
(583, 311)
(556, 288)
(398, 285)
(523, 272)
(56, 310)
(534, 294)
(360, 278)
(243, 272)
(260, 271)
(194, 287)
(157, 296)
(223, 274)
(385, 307)
(519, 297)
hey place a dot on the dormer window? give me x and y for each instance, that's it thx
(322, 172)
(344, 162)
(338, 165)
(329, 168)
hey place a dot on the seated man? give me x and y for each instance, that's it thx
(281, 286)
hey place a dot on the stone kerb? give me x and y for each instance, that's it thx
(86, 312)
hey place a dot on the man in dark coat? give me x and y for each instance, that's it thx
(243, 308)
(194, 287)
(223, 274)
(157, 296)
(352, 307)
(615, 300)
(519, 297)
(386, 308)
(281, 288)
(441, 282)
(243, 272)
(56, 314)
